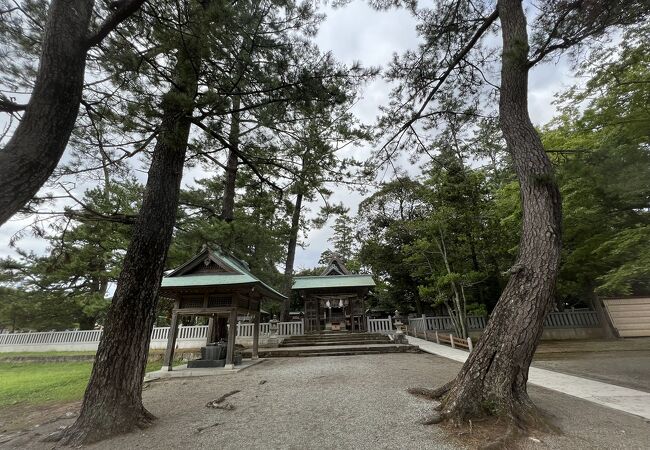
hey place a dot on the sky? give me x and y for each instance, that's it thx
(356, 32)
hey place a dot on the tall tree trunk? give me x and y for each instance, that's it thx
(418, 303)
(228, 210)
(458, 312)
(34, 150)
(493, 379)
(113, 400)
(291, 257)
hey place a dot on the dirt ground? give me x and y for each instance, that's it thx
(624, 362)
(356, 402)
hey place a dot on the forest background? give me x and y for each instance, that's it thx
(437, 224)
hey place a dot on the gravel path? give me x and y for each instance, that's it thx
(346, 402)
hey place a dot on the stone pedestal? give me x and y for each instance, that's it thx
(399, 337)
(274, 339)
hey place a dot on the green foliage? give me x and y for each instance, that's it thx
(603, 164)
(385, 232)
(67, 287)
(440, 237)
(343, 238)
(257, 235)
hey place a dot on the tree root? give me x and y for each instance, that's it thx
(200, 429)
(215, 403)
(504, 441)
(432, 394)
(463, 410)
(433, 419)
(101, 425)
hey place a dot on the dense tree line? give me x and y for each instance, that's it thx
(237, 93)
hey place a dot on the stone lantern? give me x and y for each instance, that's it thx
(274, 339)
(399, 337)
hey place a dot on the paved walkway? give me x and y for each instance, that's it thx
(621, 398)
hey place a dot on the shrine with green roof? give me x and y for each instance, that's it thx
(219, 286)
(334, 300)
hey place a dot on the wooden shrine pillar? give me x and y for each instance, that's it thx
(361, 298)
(221, 328)
(212, 330)
(256, 334)
(171, 343)
(232, 335)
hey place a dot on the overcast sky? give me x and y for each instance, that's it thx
(356, 32)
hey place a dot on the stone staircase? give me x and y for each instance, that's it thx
(335, 338)
(334, 344)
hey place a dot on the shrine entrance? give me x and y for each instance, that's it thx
(334, 300)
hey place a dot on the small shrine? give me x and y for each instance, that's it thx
(335, 299)
(218, 286)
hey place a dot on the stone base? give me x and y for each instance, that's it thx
(183, 371)
(203, 363)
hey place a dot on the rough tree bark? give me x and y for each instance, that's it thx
(230, 184)
(33, 152)
(291, 256)
(493, 380)
(113, 399)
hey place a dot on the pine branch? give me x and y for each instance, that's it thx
(9, 106)
(487, 23)
(122, 9)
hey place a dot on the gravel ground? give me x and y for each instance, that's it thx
(356, 402)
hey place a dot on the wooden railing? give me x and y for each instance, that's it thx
(565, 319)
(383, 326)
(88, 339)
(445, 323)
(443, 338)
(291, 328)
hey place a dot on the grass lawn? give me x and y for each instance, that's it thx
(46, 383)
(10, 355)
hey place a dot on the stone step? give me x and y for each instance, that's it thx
(318, 350)
(339, 353)
(331, 337)
(355, 342)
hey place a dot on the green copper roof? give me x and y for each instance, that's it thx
(207, 280)
(333, 281)
(235, 272)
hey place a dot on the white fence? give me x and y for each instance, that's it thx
(383, 326)
(565, 319)
(88, 340)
